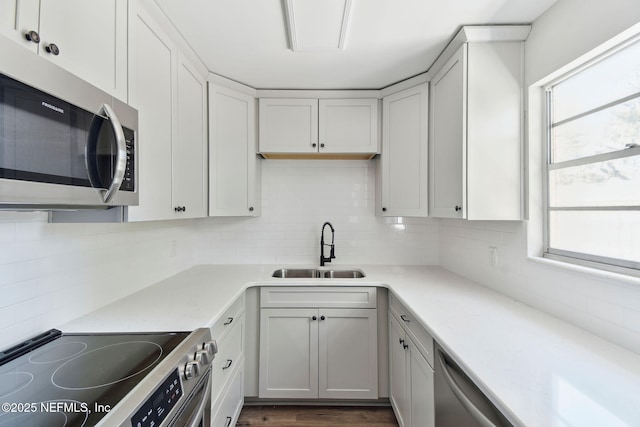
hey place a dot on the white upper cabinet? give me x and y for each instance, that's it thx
(402, 175)
(311, 126)
(171, 101)
(189, 192)
(476, 132)
(86, 37)
(289, 125)
(234, 174)
(348, 125)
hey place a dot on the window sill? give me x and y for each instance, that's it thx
(627, 278)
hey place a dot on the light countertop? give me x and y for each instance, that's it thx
(540, 371)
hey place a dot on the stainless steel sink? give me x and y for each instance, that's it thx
(343, 274)
(297, 273)
(312, 273)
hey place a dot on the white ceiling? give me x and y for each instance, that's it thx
(387, 40)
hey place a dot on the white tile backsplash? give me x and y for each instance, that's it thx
(51, 273)
(297, 198)
(605, 307)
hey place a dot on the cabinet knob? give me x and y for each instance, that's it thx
(314, 318)
(322, 145)
(250, 208)
(384, 209)
(322, 317)
(458, 208)
(314, 145)
(32, 36)
(53, 49)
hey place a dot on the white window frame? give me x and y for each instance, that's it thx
(589, 260)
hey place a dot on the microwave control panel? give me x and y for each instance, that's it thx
(128, 182)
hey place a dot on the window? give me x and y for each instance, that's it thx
(593, 161)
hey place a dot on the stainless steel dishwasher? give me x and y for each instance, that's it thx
(458, 401)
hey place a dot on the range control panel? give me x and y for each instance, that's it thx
(160, 403)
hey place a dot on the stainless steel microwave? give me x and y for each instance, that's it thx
(64, 144)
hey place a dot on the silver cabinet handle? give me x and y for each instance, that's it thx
(464, 400)
(121, 152)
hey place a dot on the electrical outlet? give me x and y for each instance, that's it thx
(493, 256)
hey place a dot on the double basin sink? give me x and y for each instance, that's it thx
(314, 273)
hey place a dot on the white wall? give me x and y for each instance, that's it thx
(600, 304)
(51, 273)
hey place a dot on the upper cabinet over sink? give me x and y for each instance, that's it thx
(86, 37)
(318, 128)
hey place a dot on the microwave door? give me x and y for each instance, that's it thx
(106, 153)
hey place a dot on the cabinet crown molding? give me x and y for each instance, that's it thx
(479, 33)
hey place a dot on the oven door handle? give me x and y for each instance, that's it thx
(204, 402)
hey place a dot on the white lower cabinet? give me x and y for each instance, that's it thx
(318, 352)
(227, 411)
(227, 378)
(410, 378)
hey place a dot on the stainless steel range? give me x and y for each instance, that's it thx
(146, 380)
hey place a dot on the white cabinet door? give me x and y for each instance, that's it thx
(288, 125)
(404, 158)
(233, 174)
(225, 412)
(189, 149)
(476, 133)
(90, 36)
(18, 18)
(448, 136)
(288, 353)
(398, 372)
(348, 125)
(348, 361)
(153, 91)
(421, 389)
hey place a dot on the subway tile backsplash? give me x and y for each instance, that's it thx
(52, 273)
(297, 198)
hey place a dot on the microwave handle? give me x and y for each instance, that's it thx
(121, 155)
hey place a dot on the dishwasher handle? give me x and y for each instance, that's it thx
(462, 398)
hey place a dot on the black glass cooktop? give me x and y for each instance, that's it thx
(73, 379)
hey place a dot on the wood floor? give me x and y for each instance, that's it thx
(316, 416)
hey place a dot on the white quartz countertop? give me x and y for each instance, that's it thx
(538, 370)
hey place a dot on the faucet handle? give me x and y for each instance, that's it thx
(332, 254)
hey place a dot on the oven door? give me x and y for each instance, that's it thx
(196, 410)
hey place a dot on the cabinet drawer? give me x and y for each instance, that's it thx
(226, 411)
(319, 297)
(421, 338)
(230, 352)
(226, 321)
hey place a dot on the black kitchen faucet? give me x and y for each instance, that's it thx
(332, 254)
